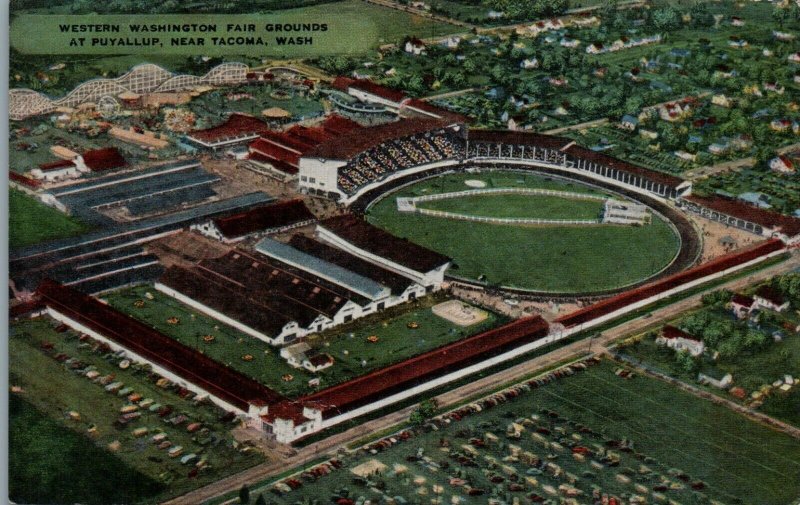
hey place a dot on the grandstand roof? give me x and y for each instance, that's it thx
(790, 226)
(236, 125)
(197, 368)
(276, 164)
(344, 83)
(380, 243)
(354, 142)
(266, 217)
(103, 159)
(420, 369)
(396, 282)
(609, 161)
(517, 137)
(322, 268)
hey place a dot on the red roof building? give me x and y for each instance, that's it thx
(269, 218)
(107, 158)
(746, 216)
(236, 129)
(196, 368)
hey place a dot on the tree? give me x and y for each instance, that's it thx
(260, 500)
(424, 411)
(701, 16)
(666, 18)
(686, 361)
(780, 15)
(244, 495)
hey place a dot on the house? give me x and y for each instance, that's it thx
(737, 21)
(629, 122)
(414, 46)
(767, 52)
(794, 57)
(529, 63)
(782, 36)
(780, 125)
(782, 164)
(797, 78)
(421, 6)
(774, 87)
(752, 89)
(770, 298)
(571, 43)
(679, 340)
(495, 14)
(315, 361)
(451, 42)
(719, 148)
(685, 156)
(737, 43)
(595, 48)
(648, 134)
(721, 101)
(741, 305)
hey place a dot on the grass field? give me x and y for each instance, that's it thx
(737, 461)
(348, 344)
(31, 222)
(54, 389)
(519, 206)
(563, 259)
(47, 464)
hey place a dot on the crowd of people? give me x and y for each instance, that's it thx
(398, 154)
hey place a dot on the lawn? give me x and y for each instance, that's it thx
(32, 222)
(551, 258)
(721, 455)
(48, 464)
(348, 344)
(519, 206)
(55, 388)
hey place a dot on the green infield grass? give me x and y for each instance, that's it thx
(32, 222)
(519, 206)
(548, 258)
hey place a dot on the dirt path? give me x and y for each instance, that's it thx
(480, 386)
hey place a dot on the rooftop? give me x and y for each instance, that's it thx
(790, 226)
(266, 217)
(363, 235)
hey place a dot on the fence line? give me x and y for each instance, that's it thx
(505, 220)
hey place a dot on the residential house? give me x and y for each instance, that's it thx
(741, 305)
(414, 46)
(679, 340)
(315, 361)
(782, 164)
(629, 122)
(774, 87)
(794, 57)
(783, 36)
(780, 124)
(770, 298)
(295, 354)
(529, 63)
(737, 21)
(721, 100)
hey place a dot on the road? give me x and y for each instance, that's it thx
(331, 445)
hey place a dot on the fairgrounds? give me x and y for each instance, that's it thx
(565, 435)
(562, 260)
(353, 353)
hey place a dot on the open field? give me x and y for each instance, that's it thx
(564, 259)
(354, 355)
(55, 385)
(47, 464)
(31, 222)
(526, 446)
(519, 206)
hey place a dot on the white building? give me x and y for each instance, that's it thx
(679, 340)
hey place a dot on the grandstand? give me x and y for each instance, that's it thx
(744, 216)
(358, 163)
(270, 218)
(356, 159)
(361, 239)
